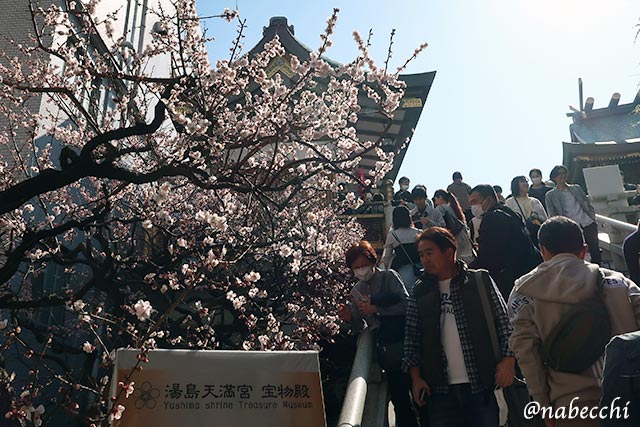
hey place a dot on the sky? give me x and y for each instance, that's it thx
(507, 70)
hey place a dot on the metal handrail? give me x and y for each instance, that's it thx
(619, 225)
(354, 400)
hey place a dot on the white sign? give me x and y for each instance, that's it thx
(603, 180)
(195, 388)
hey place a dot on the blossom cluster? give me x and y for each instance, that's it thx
(197, 210)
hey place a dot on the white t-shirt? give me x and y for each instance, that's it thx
(457, 370)
(574, 210)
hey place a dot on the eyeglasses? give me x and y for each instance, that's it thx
(561, 174)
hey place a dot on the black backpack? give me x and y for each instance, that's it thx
(521, 247)
(453, 224)
(579, 338)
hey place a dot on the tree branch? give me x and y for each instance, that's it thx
(82, 167)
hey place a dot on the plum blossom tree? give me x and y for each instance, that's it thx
(195, 210)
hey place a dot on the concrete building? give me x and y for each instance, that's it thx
(135, 24)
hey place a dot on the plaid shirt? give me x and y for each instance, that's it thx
(412, 339)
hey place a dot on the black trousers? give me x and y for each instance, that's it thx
(591, 239)
(631, 249)
(399, 385)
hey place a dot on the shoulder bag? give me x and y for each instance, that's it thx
(516, 395)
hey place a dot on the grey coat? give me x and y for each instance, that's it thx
(555, 203)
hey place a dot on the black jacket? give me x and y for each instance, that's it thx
(504, 248)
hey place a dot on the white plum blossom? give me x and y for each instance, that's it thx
(150, 344)
(33, 414)
(129, 389)
(142, 309)
(78, 305)
(239, 302)
(87, 347)
(184, 269)
(285, 251)
(252, 276)
(116, 413)
(211, 260)
(264, 341)
(218, 222)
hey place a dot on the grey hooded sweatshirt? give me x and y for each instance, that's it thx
(537, 303)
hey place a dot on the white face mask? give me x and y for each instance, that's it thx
(537, 180)
(404, 187)
(364, 273)
(477, 211)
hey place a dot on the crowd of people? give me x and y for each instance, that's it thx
(472, 293)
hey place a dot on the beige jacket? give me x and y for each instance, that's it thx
(536, 304)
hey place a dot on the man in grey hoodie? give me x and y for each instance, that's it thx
(540, 298)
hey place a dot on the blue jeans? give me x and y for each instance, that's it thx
(461, 408)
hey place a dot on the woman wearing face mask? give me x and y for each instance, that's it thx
(403, 196)
(380, 299)
(529, 208)
(538, 188)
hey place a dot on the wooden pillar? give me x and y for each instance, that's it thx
(387, 190)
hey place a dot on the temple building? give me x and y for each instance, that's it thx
(604, 136)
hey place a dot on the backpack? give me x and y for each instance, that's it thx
(452, 222)
(528, 255)
(579, 338)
